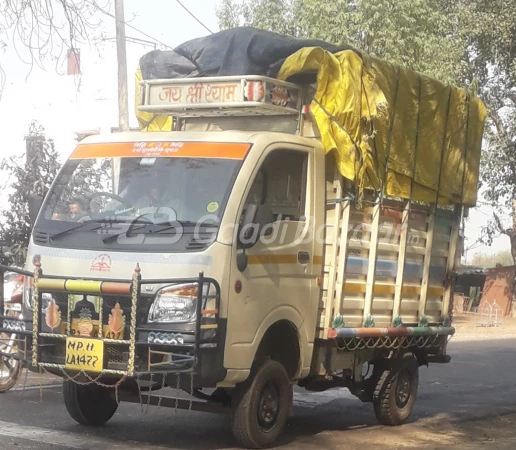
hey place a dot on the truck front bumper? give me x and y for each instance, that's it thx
(141, 350)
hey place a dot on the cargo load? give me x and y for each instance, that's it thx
(390, 128)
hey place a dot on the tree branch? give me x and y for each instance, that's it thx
(501, 229)
(495, 117)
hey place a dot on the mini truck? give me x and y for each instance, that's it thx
(230, 259)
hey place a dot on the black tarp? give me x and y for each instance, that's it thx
(239, 51)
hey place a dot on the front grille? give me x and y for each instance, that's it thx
(61, 300)
(40, 237)
(53, 350)
(116, 356)
(84, 317)
(109, 303)
(196, 244)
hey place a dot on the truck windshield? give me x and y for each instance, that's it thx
(188, 190)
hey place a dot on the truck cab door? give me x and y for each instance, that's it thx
(280, 280)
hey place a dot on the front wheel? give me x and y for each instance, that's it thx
(10, 368)
(261, 406)
(10, 371)
(396, 390)
(89, 405)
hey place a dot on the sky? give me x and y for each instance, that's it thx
(54, 100)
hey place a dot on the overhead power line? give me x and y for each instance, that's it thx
(194, 16)
(127, 24)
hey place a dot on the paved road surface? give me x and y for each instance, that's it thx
(468, 404)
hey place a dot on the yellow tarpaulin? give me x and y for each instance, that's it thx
(392, 129)
(149, 121)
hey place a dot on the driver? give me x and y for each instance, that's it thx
(153, 194)
(76, 209)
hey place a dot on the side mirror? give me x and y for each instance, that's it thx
(255, 220)
(35, 202)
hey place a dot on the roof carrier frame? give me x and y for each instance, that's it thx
(237, 96)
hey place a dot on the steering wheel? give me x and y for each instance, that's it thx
(110, 195)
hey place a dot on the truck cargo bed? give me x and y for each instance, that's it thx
(385, 263)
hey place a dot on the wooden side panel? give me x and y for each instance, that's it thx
(406, 267)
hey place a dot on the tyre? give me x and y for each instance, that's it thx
(396, 390)
(261, 406)
(10, 369)
(89, 405)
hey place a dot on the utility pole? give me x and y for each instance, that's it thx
(123, 102)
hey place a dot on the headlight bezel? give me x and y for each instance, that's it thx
(166, 296)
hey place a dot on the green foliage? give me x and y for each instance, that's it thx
(490, 29)
(488, 261)
(28, 174)
(418, 34)
(33, 173)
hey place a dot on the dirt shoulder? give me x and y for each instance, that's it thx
(475, 327)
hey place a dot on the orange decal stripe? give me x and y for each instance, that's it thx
(272, 259)
(389, 289)
(162, 149)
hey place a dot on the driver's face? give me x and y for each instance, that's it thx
(74, 209)
(154, 193)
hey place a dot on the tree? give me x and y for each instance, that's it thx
(47, 27)
(31, 173)
(419, 34)
(489, 261)
(42, 31)
(490, 29)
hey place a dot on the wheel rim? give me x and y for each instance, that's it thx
(268, 407)
(8, 366)
(7, 369)
(403, 388)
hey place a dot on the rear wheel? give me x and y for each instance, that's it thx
(261, 406)
(396, 390)
(89, 405)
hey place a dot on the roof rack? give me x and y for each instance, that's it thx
(245, 95)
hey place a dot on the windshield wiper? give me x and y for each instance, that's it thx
(185, 223)
(108, 239)
(140, 219)
(112, 237)
(59, 234)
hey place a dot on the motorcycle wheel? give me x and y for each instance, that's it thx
(10, 369)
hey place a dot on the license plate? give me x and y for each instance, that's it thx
(84, 354)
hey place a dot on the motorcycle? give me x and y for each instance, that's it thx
(11, 368)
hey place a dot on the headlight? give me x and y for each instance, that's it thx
(174, 304)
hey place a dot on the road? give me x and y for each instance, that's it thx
(468, 404)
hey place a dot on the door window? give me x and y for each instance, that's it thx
(281, 184)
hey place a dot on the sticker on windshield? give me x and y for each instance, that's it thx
(147, 161)
(212, 207)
